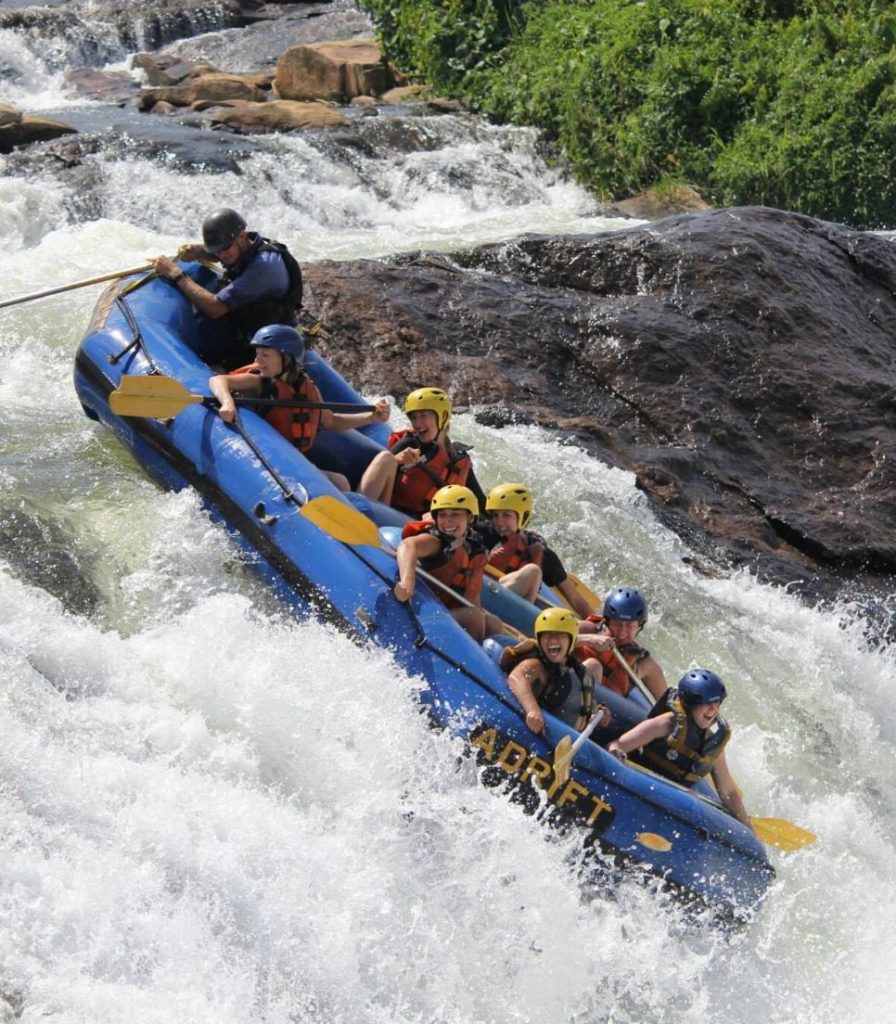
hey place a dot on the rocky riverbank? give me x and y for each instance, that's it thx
(739, 362)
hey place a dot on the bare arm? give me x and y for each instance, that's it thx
(578, 603)
(223, 386)
(653, 677)
(202, 299)
(409, 551)
(644, 732)
(339, 421)
(728, 791)
(520, 682)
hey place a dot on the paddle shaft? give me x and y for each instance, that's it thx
(76, 284)
(298, 404)
(563, 759)
(433, 582)
(586, 732)
(635, 678)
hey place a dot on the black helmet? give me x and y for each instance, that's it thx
(220, 229)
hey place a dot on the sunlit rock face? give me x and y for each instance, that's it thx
(738, 361)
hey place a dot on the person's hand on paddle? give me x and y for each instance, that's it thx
(166, 268)
(408, 457)
(382, 411)
(192, 251)
(403, 592)
(227, 410)
(599, 641)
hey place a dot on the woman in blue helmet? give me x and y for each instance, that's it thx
(684, 738)
(279, 373)
(623, 617)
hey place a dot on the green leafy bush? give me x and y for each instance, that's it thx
(781, 102)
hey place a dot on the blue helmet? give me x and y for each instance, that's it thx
(282, 338)
(700, 686)
(627, 604)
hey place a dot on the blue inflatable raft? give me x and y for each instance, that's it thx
(258, 484)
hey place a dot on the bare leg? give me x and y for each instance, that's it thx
(524, 581)
(472, 620)
(337, 480)
(379, 478)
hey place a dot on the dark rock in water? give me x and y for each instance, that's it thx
(739, 362)
(39, 552)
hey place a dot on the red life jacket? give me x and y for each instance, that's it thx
(521, 548)
(297, 425)
(414, 487)
(614, 675)
(460, 568)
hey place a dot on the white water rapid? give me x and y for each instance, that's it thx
(211, 813)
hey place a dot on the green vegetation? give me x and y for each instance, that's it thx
(790, 103)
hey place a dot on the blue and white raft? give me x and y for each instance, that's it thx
(258, 484)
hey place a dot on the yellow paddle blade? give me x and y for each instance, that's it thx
(341, 521)
(596, 602)
(157, 398)
(562, 760)
(781, 833)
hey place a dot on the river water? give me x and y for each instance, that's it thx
(210, 812)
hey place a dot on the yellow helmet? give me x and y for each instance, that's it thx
(433, 400)
(513, 498)
(454, 496)
(558, 620)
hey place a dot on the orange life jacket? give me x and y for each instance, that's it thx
(460, 568)
(614, 675)
(519, 549)
(297, 425)
(415, 486)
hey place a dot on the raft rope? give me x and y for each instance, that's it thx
(137, 341)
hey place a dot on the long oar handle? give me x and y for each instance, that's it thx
(76, 284)
(563, 757)
(586, 732)
(298, 404)
(423, 574)
(635, 678)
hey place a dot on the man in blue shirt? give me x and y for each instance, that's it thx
(261, 284)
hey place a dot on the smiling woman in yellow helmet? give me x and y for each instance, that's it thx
(421, 460)
(545, 674)
(448, 549)
(522, 554)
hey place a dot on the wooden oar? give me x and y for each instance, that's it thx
(161, 398)
(635, 678)
(566, 750)
(350, 526)
(76, 284)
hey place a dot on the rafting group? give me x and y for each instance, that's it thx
(457, 534)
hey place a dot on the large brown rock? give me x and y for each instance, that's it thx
(739, 362)
(336, 71)
(24, 129)
(276, 116)
(212, 88)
